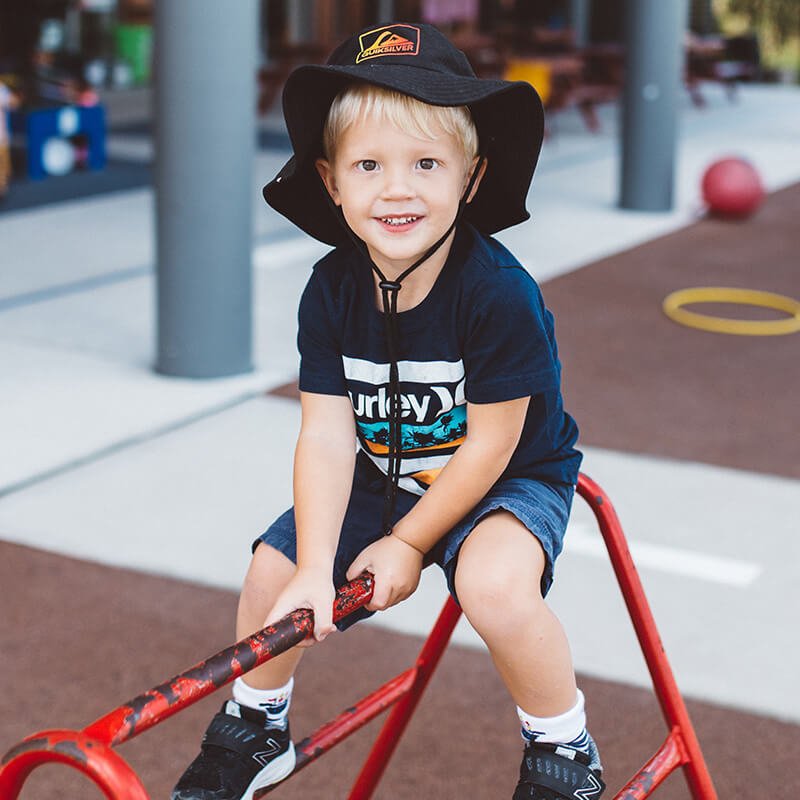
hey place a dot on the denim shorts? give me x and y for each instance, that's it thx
(543, 508)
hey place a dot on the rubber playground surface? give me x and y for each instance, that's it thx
(78, 639)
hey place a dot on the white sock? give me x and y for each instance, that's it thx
(274, 702)
(564, 728)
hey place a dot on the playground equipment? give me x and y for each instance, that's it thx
(674, 307)
(90, 750)
(732, 188)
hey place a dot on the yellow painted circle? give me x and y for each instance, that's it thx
(674, 308)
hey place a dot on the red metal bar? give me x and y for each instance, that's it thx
(161, 702)
(100, 763)
(349, 721)
(666, 689)
(668, 758)
(397, 720)
(89, 750)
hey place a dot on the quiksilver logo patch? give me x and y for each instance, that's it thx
(391, 40)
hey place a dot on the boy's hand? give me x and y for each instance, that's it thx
(396, 567)
(309, 588)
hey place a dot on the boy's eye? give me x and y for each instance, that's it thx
(367, 165)
(427, 163)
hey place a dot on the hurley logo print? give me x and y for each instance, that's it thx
(391, 40)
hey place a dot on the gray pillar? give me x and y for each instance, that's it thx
(301, 20)
(385, 10)
(579, 11)
(653, 75)
(205, 144)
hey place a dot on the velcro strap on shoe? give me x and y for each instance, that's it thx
(567, 777)
(235, 734)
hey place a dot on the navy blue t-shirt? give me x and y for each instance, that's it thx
(482, 335)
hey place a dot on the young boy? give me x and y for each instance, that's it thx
(425, 341)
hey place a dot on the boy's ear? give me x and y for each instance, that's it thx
(325, 169)
(478, 179)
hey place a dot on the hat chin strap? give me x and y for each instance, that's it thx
(389, 290)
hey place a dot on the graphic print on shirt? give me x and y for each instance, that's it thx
(433, 413)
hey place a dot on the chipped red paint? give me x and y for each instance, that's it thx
(640, 787)
(161, 702)
(669, 757)
(352, 595)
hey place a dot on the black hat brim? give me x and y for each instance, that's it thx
(508, 116)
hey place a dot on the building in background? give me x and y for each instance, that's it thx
(109, 43)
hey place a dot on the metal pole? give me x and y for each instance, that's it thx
(206, 59)
(655, 50)
(301, 20)
(579, 11)
(397, 721)
(385, 10)
(669, 697)
(89, 750)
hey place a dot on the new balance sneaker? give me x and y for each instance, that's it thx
(557, 772)
(239, 754)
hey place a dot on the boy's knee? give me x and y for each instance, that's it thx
(500, 559)
(500, 612)
(497, 593)
(269, 571)
(498, 590)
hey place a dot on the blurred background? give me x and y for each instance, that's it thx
(54, 49)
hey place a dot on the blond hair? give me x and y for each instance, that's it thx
(425, 121)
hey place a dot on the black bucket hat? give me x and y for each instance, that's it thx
(419, 61)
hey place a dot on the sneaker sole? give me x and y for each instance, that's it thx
(275, 771)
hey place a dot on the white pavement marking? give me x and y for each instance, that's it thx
(677, 561)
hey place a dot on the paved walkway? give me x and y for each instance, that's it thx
(107, 461)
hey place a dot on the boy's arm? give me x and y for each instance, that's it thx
(493, 432)
(323, 476)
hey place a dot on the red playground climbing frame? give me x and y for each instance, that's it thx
(90, 750)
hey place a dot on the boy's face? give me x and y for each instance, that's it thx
(398, 193)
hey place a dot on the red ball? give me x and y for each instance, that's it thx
(732, 188)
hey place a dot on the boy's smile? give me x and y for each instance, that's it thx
(398, 193)
(396, 223)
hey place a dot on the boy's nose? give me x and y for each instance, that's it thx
(397, 185)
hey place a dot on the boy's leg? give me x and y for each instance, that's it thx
(248, 745)
(498, 582)
(269, 686)
(267, 576)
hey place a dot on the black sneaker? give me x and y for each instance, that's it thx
(557, 772)
(238, 755)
